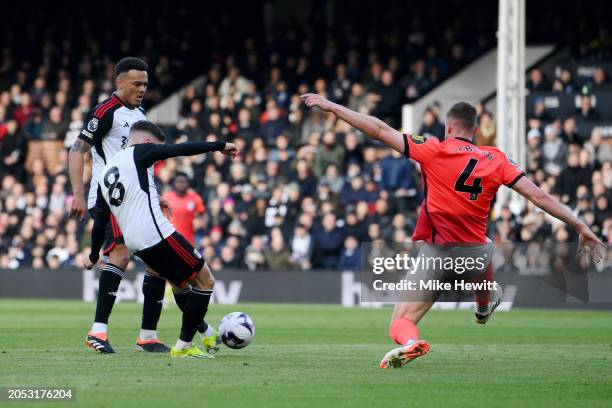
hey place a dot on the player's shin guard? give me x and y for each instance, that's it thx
(110, 278)
(180, 297)
(153, 289)
(194, 311)
(401, 330)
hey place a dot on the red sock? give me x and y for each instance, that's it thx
(483, 297)
(402, 330)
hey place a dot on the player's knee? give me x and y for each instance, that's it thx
(210, 282)
(120, 256)
(204, 280)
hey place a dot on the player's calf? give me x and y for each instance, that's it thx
(110, 278)
(210, 337)
(153, 289)
(195, 308)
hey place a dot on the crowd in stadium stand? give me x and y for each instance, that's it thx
(307, 189)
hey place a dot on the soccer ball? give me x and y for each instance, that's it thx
(237, 330)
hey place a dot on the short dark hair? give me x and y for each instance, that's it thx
(180, 174)
(149, 127)
(125, 64)
(464, 112)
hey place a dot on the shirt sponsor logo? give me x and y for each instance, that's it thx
(418, 139)
(92, 126)
(87, 134)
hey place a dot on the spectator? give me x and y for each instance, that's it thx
(417, 83)
(398, 182)
(570, 178)
(254, 257)
(390, 97)
(486, 133)
(350, 259)
(358, 100)
(245, 128)
(341, 85)
(329, 241)
(599, 151)
(539, 111)
(565, 82)
(74, 128)
(301, 247)
(554, 151)
(570, 132)
(354, 192)
(277, 256)
(272, 123)
(333, 179)
(305, 179)
(313, 124)
(431, 125)
(330, 153)
(600, 81)
(234, 86)
(537, 82)
(587, 112)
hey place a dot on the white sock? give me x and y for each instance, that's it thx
(148, 334)
(209, 331)
(182, 345)
(99, 328)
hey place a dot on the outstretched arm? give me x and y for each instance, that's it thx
(373, 127)
(533, 193)
(149, 154)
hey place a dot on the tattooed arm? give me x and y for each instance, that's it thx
(76, 163)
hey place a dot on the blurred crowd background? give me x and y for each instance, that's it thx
(308, 189)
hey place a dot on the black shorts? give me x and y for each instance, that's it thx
(113, 235)
(173, 258)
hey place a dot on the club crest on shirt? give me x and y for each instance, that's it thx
(418, 139)
(92, 125)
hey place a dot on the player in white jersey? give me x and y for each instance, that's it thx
(105, 133)
(127, 191)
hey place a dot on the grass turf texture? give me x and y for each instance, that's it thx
(315, 356)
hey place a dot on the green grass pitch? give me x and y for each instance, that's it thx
(315, 356)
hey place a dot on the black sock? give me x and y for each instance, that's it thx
(203, 327)
(153, 289)
(110, 278)
(180, 298)
(195, 309)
